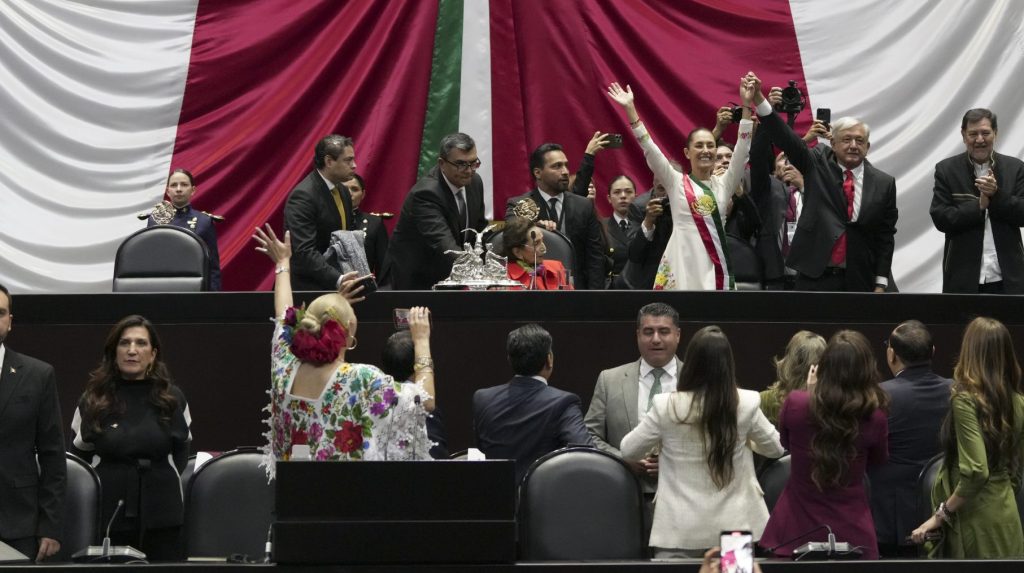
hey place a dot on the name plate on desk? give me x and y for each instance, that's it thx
(395, 512)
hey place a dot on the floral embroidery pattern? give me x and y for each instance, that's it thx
(361, 414)
(665, 278)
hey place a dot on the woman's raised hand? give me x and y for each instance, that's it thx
(419, 322)
(623, 97)
(750, 89)
(271, 246)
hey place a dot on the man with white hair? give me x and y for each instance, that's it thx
(845, 238)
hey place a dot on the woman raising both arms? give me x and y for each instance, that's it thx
(697, 256)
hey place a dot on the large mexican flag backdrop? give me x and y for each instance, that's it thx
(100, 99)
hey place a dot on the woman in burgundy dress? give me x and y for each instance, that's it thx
(832, 431)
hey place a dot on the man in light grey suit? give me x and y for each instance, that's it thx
(624, 393)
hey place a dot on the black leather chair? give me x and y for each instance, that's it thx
(773, 478)
(925, 482)
(81, 526)
(162, 258)
(229, 506)
(747, 268)
(580, 503)
(559, 247)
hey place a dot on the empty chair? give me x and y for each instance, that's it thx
(162, 258)
(580, 503)
(773, 477)
(81, 525)
(229, 506)
(746, 266)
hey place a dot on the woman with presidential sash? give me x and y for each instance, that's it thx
(697, 256)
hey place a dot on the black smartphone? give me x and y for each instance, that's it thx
(824, 115)
(737, 551)
(613, 141)
(368, 283)
(737, 114)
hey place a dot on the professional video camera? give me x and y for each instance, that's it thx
(792, 103)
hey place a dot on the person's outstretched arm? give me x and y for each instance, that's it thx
(280, 253)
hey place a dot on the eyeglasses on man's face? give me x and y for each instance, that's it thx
(463, 165)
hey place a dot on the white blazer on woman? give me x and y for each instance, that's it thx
(690, 511)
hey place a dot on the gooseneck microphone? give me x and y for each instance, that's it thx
(533, 241)
(106, 538)
(798, 537)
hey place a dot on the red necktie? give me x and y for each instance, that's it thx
(839, 249)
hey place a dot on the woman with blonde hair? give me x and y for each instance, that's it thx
(983, 436)
(803, 351)
(323, 407)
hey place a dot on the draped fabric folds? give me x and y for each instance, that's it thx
(100, 99)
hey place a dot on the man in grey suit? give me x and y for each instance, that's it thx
(624, 393)
(33, 471)
(919, 401)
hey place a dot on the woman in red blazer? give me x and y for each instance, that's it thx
(523, 244)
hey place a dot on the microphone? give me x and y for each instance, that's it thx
(416, 400)
(106, 539)
(798, 537)
(107, 553)
(533, 239)
(387, 432)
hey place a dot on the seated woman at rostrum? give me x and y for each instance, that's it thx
(131, 423)
(523, 245)
(323, 407)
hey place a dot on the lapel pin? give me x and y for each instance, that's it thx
(14, 370)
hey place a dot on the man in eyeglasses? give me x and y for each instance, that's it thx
(436, 215)
(319, 205)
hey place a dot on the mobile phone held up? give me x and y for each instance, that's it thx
(613, 141)
(369, 284)
(824, 115)
(737, 551)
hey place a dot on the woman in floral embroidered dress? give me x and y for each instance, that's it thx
(323, 407)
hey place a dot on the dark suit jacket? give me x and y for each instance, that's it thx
(618, 242)
(376, 243)
(869, 241)
(201, 224)
(919, 403)
(583, 230)
(525, 419)
(311, 215)
(31, 497)
(644, 255)
(770, 196)
(955, 212)
(427, 227)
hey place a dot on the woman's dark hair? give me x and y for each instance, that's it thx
(399, 356)
(710, 373)
(191, 179)
(515, 234)
(846, 394)
(988, 371)
(693, 133)
(99, 400)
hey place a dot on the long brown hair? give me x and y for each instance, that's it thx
(803, 351)
(987, 371)
(100, 400)
(847, 393)
(710, 373)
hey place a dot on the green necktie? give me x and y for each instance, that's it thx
(656, 387)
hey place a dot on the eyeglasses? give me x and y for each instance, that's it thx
(463, 165)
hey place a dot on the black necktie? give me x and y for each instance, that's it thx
(624, 225)
(462, 208)
(553, 210)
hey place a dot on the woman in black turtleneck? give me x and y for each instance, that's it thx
(132, 424)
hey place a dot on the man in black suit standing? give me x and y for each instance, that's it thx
(919, 402)
(435, 217)
(652, 218)
(846, 236)
(33, 471)
(568, 213)
(319, 205)
(978, 203)
(376, 242)
(526, 418)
